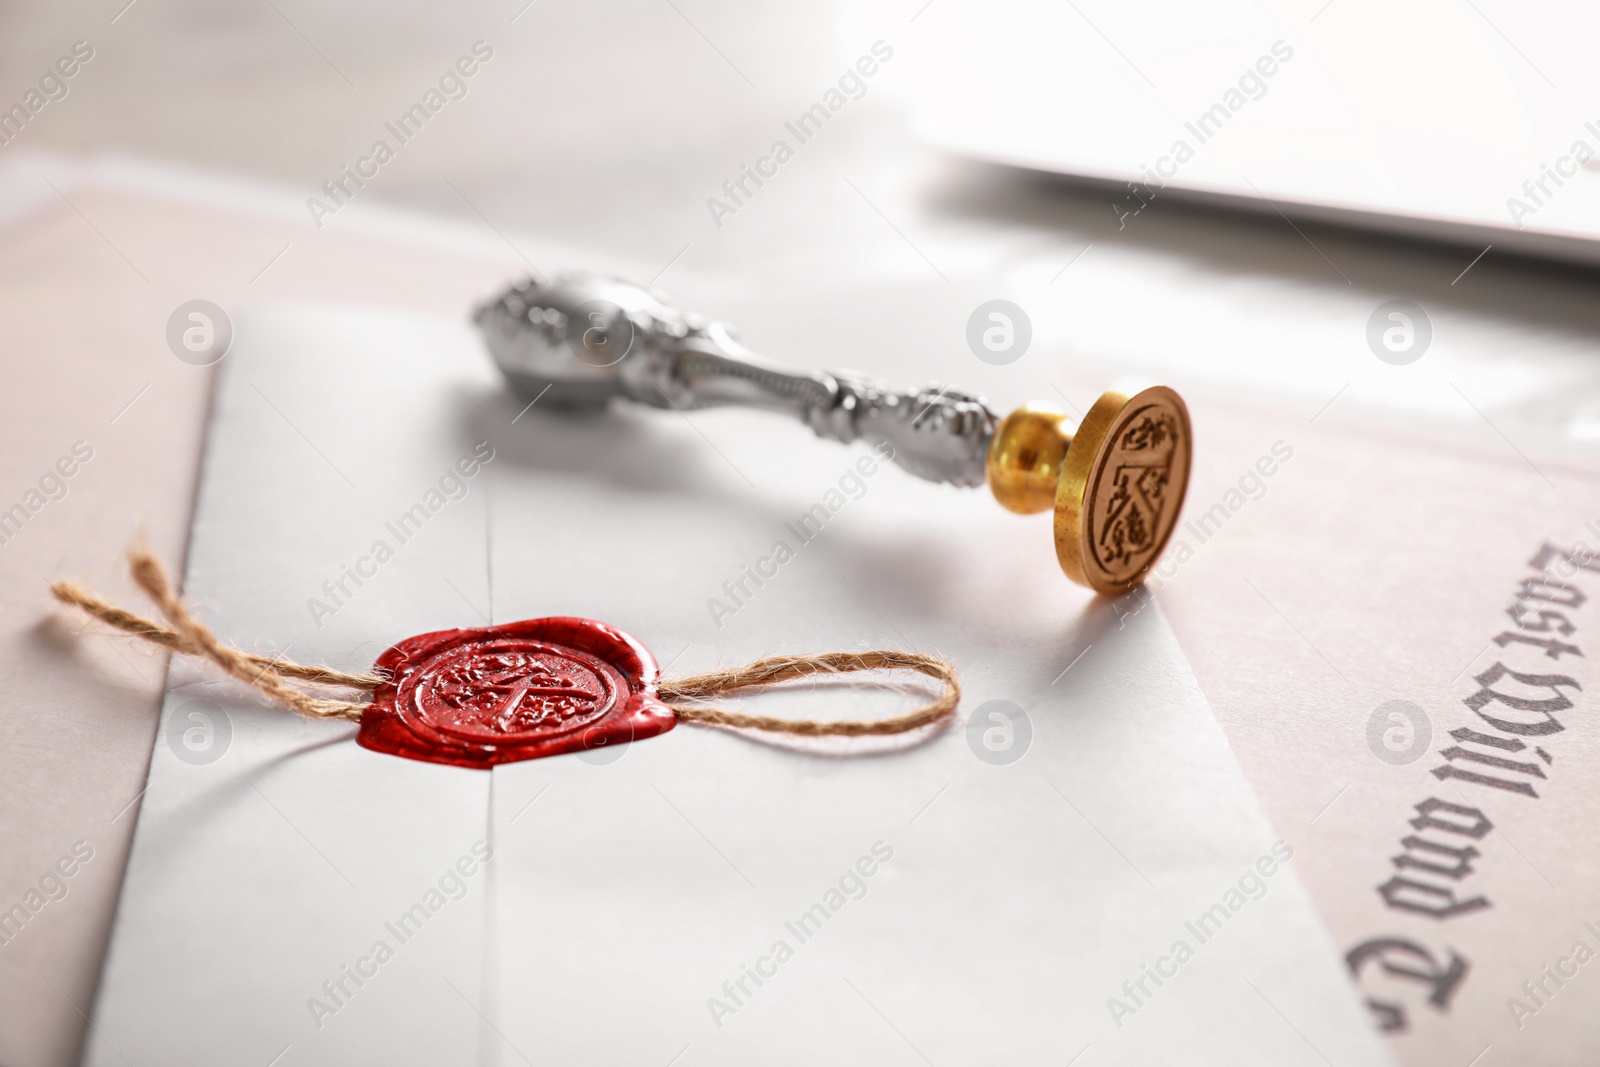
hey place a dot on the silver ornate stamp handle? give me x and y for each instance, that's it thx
(581, 340)
(577, 342)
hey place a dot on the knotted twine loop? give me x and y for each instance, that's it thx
(784, 668)
(270, 676)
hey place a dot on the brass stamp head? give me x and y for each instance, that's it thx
(1116, 483)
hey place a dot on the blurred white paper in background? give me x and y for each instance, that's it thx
(1421, 118)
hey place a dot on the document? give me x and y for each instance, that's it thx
(1075, 871)
(1395, 628)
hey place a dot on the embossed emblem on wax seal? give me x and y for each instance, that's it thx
(499, 694)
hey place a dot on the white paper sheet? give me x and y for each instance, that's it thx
(258, 877)
(1018, 900)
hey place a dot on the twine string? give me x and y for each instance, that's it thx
(189, 636)
(272, 677)
(76, 596)
(785, 668)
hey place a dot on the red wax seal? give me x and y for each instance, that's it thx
(541, 687)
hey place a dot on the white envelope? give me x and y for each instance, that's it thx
(937, 906)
